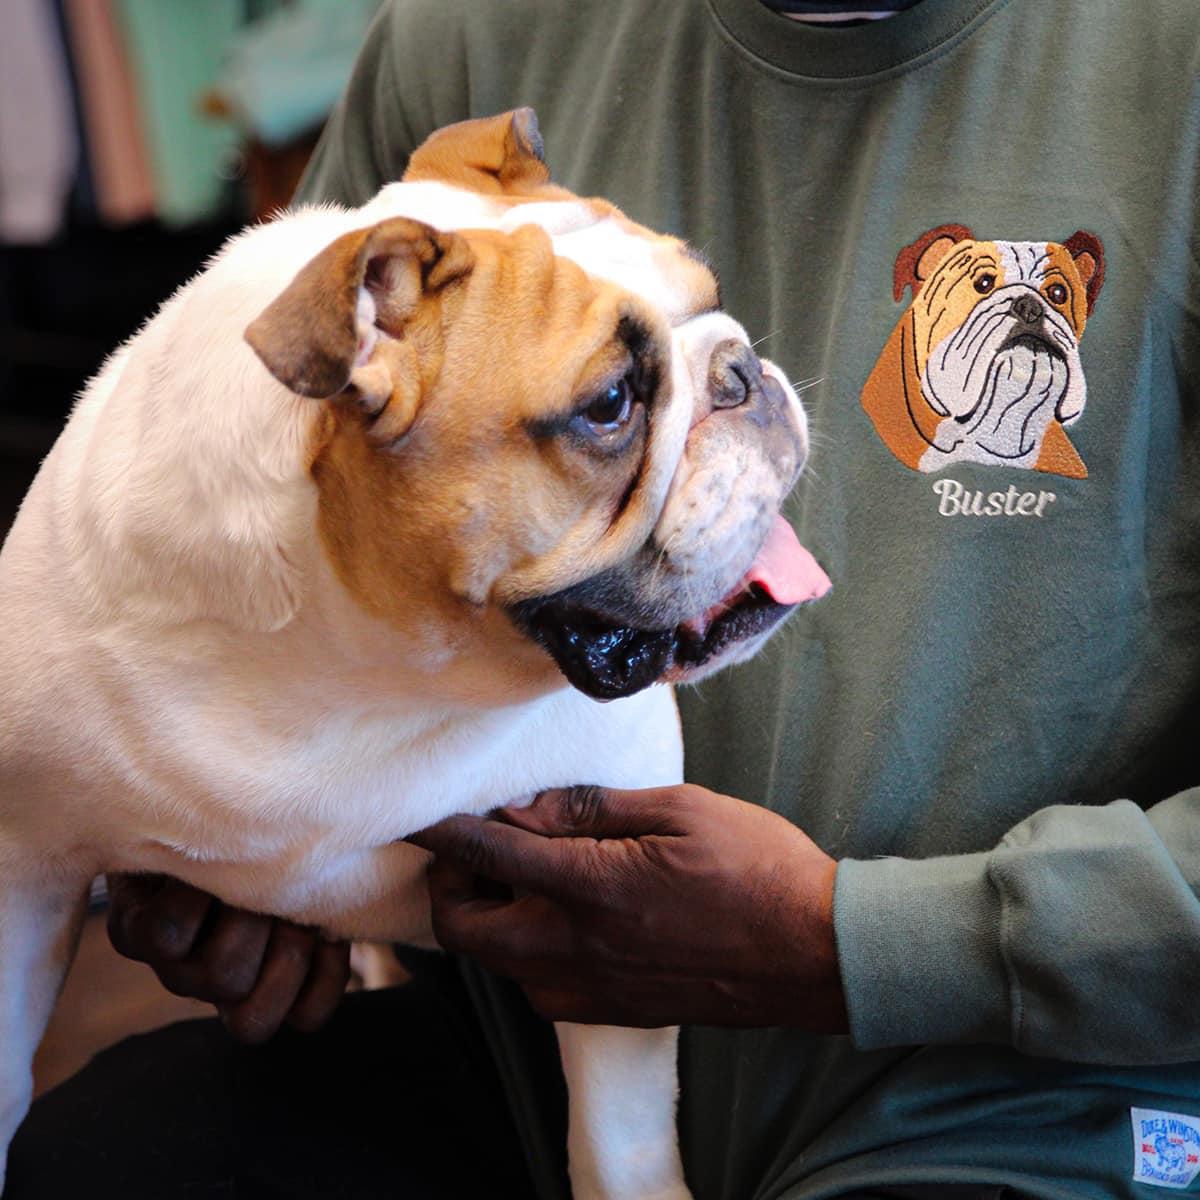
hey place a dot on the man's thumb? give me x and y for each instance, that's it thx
(598, 812)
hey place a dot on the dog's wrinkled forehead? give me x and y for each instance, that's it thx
(491, 173)
(661, 269)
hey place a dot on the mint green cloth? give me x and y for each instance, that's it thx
(176, 48)
(284, 72)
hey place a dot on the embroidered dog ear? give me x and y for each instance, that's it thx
(492, 154)
(331, 331)
(916, 262)
(1088, 252)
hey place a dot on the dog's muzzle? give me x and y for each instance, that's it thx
(613, 635)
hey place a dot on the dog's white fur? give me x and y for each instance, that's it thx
(190, 689)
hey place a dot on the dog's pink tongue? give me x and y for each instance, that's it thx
(782, 568)
(785, 570)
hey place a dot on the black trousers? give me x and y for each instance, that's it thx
(396, 1097)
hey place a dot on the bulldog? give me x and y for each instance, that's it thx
(984, 366)
(364, 528)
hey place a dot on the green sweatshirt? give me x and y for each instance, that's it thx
(992, 720)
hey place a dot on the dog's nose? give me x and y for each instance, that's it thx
(1027, 309)
(734, 373)
(742, 391)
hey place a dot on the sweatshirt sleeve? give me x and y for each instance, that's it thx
(1077, 937)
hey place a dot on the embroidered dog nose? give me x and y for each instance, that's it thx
(1027, 309)
(733, 373)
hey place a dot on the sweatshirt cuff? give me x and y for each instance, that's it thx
(919, 947)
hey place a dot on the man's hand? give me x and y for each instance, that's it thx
(658, 907)
(259, 971)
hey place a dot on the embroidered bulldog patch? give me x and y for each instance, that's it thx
(1166, 1148)
(984, 365)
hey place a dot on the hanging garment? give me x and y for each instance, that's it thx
(38, 144)
(176, 48)
(112, 120)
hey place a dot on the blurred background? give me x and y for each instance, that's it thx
(135, 136)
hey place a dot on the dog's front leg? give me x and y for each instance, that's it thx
(622, 1088)
(39, 929)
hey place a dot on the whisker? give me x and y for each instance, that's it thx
(806, 385)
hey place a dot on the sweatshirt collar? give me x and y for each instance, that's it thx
(858, 51)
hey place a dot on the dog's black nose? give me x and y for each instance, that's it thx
(734, 372)
(1027, 309)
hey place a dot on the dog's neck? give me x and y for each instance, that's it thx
(196, 508)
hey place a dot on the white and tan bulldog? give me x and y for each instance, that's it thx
(321, 549)
(984, 365)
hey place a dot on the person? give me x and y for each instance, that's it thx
(946, 940)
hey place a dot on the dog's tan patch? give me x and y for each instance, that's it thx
(487, 477)
(450, 466)
(501, 157)
(494, 156)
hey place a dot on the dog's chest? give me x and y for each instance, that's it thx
(309, 825)
(278, 785)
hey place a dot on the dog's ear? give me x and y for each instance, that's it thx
(501, 154)
(916, 262)
(1088, 252)
(318, 335)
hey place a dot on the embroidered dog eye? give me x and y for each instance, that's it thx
(1057, 293)
(984, 283)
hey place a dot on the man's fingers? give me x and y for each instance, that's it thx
(225, 963)
(451, 883)
(584, 1002)
(460, 906)
(259, 971)
(553, 1003)
(562, 868)
(521, 938)
(230, 953)
(286, 963)
(598, 812)
(323, 989)
(152, 918)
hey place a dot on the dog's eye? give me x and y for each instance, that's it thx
(611, 410)
(1057, 293)
(984, 283)
(607, 420)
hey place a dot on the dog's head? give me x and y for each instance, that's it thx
(992, 344)
(534, 414)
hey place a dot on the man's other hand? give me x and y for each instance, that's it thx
(261, 972)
